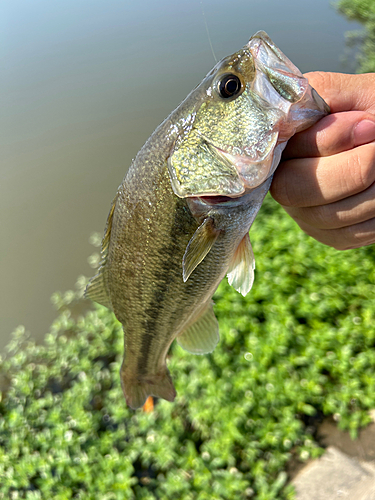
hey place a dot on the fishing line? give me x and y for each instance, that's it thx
(208, 33)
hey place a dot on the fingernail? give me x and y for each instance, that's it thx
(364, 132)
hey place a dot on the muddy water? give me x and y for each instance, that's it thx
(83, 84)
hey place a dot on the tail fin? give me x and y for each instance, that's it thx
(137, 389)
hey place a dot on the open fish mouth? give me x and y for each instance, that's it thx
(215, 200)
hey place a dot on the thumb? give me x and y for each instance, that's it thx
(345, 92)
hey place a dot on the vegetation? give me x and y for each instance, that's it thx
(362, 11)
(299, 346)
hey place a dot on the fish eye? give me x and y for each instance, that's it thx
(229, 86)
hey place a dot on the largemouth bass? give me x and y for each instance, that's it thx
(180, 220)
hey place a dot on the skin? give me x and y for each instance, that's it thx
(326, 180)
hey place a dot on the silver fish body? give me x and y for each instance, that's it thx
(180, 219)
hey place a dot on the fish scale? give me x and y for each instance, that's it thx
(181, 217)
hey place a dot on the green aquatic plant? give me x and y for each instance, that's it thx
(299, 346)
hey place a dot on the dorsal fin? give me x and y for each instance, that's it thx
(96, 289)
(108, 228)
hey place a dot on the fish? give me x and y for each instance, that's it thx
(180, 220)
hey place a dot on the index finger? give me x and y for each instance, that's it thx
(331, 135)
(318, 181)
(344, 92)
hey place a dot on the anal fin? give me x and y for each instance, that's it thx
(241, 270)
(202, 335)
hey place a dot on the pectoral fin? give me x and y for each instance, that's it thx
(241, 270)
(201, 336)
(199, 246)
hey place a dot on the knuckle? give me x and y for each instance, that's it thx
(321, 217)
(349, 237)
(344, 240)
(340, 248)
(321, 80)
(362, 166)
(280, 189)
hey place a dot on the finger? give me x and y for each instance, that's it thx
(318, 181)
(345, 238)
(333, 134)
(343, 213)
(344, 92)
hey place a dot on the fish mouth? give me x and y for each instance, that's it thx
(277, 76)
(215, 200)
(267, 54)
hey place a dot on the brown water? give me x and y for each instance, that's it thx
(83, 84)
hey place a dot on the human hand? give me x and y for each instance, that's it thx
(326, 180)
